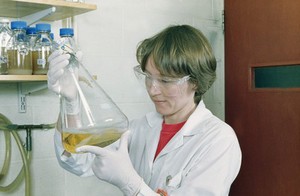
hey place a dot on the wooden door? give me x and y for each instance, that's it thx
(262, 94)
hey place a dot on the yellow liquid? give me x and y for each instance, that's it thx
(3, 61)
(19, 64)
(71, 141)
(39, 61)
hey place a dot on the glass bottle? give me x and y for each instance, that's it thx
(99, 121)
(67, 41)
(52, 36)
(5, 35)
(42, 49)
(19, 58)
(31, 36)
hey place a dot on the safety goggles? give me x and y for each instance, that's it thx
(169, 86)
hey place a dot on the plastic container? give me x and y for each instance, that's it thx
(5, 36)
(42, 49)
(19, 58)
(99, 121)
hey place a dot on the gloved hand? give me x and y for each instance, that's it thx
(58, 80)
(115, 167)
(61, 79)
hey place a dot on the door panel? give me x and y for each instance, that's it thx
(263, 33)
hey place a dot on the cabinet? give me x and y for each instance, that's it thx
(21, 8)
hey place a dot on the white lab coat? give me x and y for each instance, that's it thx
(203, 158)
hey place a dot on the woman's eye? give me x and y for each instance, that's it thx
(165, 80)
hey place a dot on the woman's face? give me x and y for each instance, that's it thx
(176, 108)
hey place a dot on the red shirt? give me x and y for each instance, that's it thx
(166, 134)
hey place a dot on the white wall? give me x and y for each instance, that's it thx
(108, 38)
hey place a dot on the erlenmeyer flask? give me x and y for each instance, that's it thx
(89, 116)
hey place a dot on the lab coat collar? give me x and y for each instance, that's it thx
(153, 119)
(200, 114)
(196, 119)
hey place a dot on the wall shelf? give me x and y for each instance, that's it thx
(64, 9)
(32, 11)
(23, 78)
(24, 8)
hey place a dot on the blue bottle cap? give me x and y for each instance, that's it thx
(43, 27)
(31, 31)
(18, 25)
(66, 32)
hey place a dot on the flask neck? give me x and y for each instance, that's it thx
(19, 31)
(5, 26)
(67, 45)
(44, 32)
(19, 36)
(64, 36)
(44, 35)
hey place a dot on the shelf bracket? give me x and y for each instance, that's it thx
(26, 89)
(32, 18)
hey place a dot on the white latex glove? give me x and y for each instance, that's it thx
(58, 62)
(61, 81)
(115, 167)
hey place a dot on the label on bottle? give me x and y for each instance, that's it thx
(3, 59)
(41, 62)
(67, 48)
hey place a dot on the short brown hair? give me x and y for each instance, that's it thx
(178, 51)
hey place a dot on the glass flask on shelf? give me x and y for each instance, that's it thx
(42, 49)
(88, 115)
(5, 35)
(19, 58)
(31, 37)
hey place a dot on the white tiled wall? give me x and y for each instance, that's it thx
(108, 38)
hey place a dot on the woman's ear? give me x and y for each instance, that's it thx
(194, 87)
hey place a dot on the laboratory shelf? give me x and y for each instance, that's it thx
(64, 9)
(23, 78)
(32, 10)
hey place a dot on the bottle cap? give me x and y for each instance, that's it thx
(18, 25)
(31, 31)
(66, 32)
(43, 27)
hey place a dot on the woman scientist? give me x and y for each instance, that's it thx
(182, 148)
